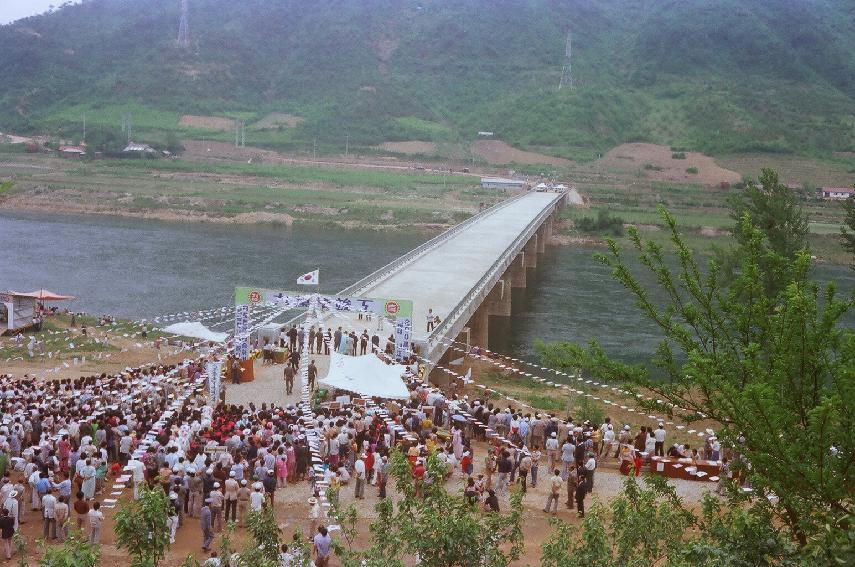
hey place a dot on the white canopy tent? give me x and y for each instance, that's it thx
(367, 376)
(196, 330)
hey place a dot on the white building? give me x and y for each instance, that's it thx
(503, 184)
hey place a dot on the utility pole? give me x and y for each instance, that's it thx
(346, 143)
(567, 70)
(84, 127)
(184, 25)
(315, 149)
(243, 133)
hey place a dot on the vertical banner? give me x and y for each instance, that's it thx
(403, 337)
(241, 331)
(214, 370)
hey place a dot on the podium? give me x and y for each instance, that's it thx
(247, 370)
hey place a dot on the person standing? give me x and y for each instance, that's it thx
(312, 337)
(207, 526)
(96, 519)
(235, 369)
(590, 467)
(359, 471)
(292, 338)
(172, 521)
(61, 513)
(319, 339)
(430, 319)
(555, 483)
(322, 547)
(552, 450)
(49, 515)
(7, 532)
(581, 492)
(312, 372)
(363, 342)
(289, 379)
(659, 435)
(505, 466)
(524, 468)
(81, 510)
(215, 505)
(572, 483)
(242, 502)
(231, 494)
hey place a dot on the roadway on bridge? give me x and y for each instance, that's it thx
(444, 275)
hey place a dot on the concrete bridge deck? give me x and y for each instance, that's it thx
(459, 271)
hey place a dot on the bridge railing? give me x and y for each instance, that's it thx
(402, 261)
(459, 316)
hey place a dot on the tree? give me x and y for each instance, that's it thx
(443, 529)
(264, 549)
(76, 551)
(775, 211)
(847, 232)
(173, 144)
(648, 524)
(775, 369)
(142, 527)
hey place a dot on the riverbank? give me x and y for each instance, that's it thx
(241, 193)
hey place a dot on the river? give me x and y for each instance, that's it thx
(134, 268)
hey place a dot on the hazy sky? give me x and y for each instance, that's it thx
(11, 10)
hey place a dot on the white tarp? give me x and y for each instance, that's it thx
(366, 375)
(196, 330)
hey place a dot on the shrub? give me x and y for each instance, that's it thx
(651, 167)
(693, 170)
(604, 223)
(678, 155)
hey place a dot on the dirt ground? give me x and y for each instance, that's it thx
(410, 147)
(638, 155)
(497, 152)
(207, 122)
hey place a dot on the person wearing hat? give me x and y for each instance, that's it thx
(7, 531)
(195, 490)
(11, 504)
(659, 435)
(552, 450)
(206, 525)
(314, 514)
(243, 494)
(172, 520)
(215, 503)
(256, 498)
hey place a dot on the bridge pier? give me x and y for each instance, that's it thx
(516, 272)
(530, 252)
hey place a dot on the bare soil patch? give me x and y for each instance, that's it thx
(410, 147)
(497, 152)
(276, 119)
(656, 163)
(207, 122)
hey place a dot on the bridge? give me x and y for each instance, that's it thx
(466, 274)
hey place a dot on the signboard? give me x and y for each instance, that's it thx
(401, 310)
(214, 370)
(403, 337)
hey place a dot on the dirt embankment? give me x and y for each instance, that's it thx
(497, 152)
(207, 122)
(662, 164)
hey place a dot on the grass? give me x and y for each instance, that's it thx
(300, 174)
(321, 195)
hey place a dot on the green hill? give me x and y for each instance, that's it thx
(718, 76)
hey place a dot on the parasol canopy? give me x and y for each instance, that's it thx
(44, 295)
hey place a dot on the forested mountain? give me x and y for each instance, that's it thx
(714, 75)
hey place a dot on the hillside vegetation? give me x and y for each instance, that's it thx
(720, 77)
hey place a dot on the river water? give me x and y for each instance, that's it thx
(134, 268)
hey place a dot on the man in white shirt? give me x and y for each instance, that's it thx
(49, 514)
(359, 471)
(552, 450)
(659, 434)
(590, 466)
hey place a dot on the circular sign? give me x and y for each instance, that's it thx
(255, 296)
(392, 307)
